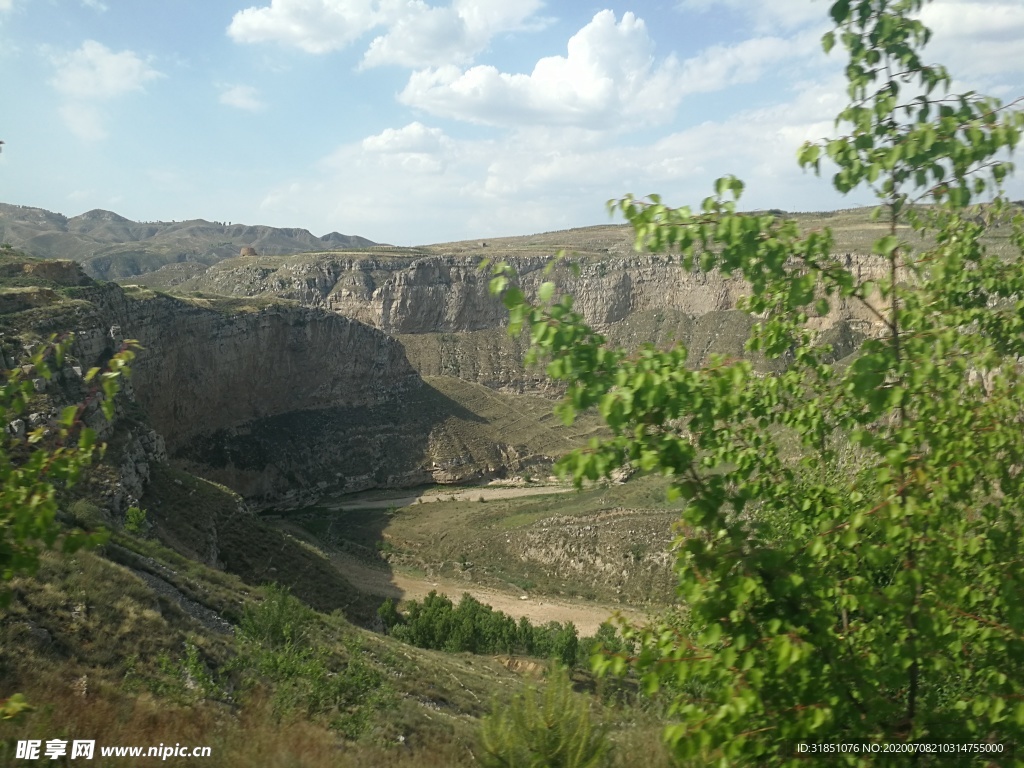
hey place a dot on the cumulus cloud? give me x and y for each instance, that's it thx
(316, 26)
(608, 73)
(413, 138)
(433, 36)
(415, 34)
(609, 78)
(93, 75)
(242, 97)
(415, 148)
(96, 72)
(721, 66)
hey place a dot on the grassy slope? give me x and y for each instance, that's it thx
(103, 656)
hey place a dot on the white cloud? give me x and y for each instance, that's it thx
(609, 73)
(96, 72)
(6, 5)
(96, 5)
(608, 79)
(721, 66)
(92, 75)
(242, 97)
(415, 34)
(415, 137)
(316, 26)
(414, 148)
(426, 36)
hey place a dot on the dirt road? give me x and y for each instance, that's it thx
(539, 610)
(445, 494)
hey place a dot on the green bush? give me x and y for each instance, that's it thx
(389, 615)
(135, 520)
(281, 619)
(552, 728)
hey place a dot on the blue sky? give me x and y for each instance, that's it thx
(418, 121)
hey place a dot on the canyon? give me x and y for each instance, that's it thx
(285, 377)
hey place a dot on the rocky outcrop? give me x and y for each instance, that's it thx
(143, 448)
(446, 294)
(212, 379)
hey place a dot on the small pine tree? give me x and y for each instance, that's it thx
(551, 728)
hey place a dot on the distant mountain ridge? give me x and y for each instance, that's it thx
(111, 247)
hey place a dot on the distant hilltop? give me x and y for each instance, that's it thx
(111, 247)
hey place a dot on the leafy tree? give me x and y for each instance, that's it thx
(389, 615)
(36, 465)
(566, 644)
(868, 585)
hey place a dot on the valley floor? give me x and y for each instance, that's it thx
(544, 552)
(401, 586)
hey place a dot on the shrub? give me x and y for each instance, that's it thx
(135, 520)
(281, 619)
(552, 728)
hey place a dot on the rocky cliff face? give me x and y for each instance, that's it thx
(326, 391)
(439, 307)
(226, 385)
(204, 369)
(438, 293)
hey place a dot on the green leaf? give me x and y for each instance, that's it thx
(840, 11)
(886, 246)
(68, 416)
(513, 297)
(545, 292)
